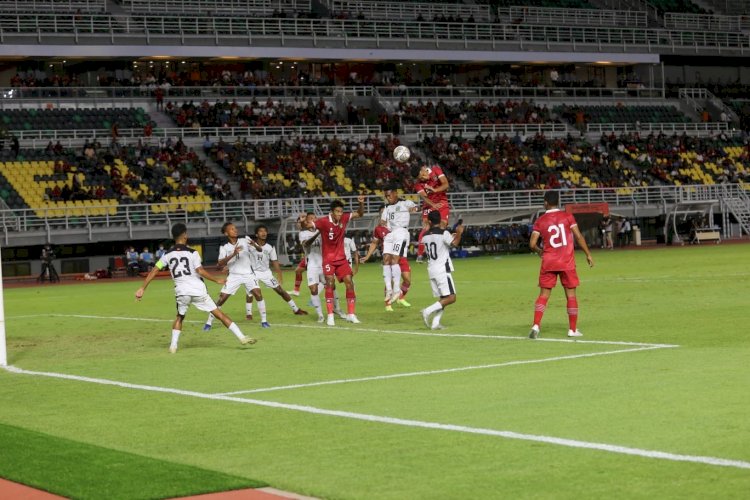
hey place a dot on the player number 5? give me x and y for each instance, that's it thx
(558, 233)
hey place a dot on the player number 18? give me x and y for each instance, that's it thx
(557, 234)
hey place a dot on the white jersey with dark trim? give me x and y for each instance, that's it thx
(314, 254)
(240, 264)
(437, 247)
(397, 215)
(262, 259)
(183, 263)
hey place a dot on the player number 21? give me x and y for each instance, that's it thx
(557, 234)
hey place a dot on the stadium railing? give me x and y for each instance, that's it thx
(219, 7)
(699, 129)
(675, 20)
(330, 33)
(129, 218)
(575, 17)
(39, 138)
(53, 6)
(472, 129)
(409, 10)
(496, 93)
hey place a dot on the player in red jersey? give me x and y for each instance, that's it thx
(432, 185)
(378, 236)
(332, 229)
(557, 229)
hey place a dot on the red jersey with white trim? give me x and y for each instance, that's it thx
(332, 237)
(433, 182)
(554, 227)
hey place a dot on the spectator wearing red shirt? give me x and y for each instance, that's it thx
(557, 230)
(332, 229)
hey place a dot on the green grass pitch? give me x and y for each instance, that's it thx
(653, 403)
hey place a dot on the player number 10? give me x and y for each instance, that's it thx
(558, 234)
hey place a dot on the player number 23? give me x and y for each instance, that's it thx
(558, 238)
(185, 270)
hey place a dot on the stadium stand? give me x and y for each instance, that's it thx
(72, 119)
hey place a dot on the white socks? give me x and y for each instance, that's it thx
(210, 320)
(175, 339)
(262, 310)
(293, 305)
(316, 304)
(388, 280)
(396, 275)
(436, 318)
(249, 308)
(437, 306)
(235, 330)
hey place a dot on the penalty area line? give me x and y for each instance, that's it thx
(571, 443)
(435, 372)
(367, 330)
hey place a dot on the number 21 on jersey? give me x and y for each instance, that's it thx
(558, 238)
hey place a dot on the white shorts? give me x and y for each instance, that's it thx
(235, 281)
(396, 242)
(315, 276)
(202, 302)
(266, 277)
(442, 285)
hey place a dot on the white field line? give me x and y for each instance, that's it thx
(435, 372)
(318, 326)
(572, 443)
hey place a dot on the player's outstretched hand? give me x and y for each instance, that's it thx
(590, 260)
(364, 259)
(361, 198)
(139, 294)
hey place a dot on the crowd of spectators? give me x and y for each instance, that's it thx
(440, 112)
(305, 166)
(493, 163)
(270, 113)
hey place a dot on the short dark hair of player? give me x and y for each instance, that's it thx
(415, 171)
(225, 226)
(262, 226)
(335, 204)
(434, 217)
(552, 198)
(178, 230)
(309, 213)
(391, 187)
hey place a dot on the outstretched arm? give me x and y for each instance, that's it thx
(139, 293)
(277, 270)
(373, 245)
(210, 277)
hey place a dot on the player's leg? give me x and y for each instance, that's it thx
(405, 282)
(444, 290)
(329, 288)
(253, 289)
(351, 299)
(182, 302)
(288, 299)
(298, 277)
(570, 282)
(219, 302)
(425, 228)
(546, 283)
(232, 326)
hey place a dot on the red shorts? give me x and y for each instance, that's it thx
(338, 269)
(569, 278)
(404, 265)
(302, 264)
(445, 211)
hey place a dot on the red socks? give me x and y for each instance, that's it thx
(404, 290)
(420, 247)
(351, 299)
(572, 312)
(539, 307)
(329, 300)
(297, 280)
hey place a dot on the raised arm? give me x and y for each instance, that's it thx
(360, 209)
(457, 235)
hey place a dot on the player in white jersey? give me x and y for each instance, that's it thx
(184, 264)
(264, 258)
(235, 255)
(352, 254)
(438, 243)
(395, 244)
(311, 244)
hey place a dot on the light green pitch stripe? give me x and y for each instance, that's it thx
(572, 443)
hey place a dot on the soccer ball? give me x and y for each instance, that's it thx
(401, 154)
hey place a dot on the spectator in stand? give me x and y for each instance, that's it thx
(131, 258)
(146, 260)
